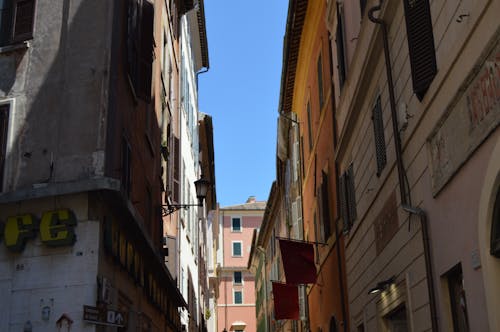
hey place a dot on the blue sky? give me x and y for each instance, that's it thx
(241, 93)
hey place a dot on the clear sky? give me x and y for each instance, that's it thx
(241, 92)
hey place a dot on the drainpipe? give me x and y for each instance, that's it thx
(264, 280)
(337, 177)
(405, 201)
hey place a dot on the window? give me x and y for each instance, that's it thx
(320, 83)
(339, 39)
(420, 45)
(238, 297)
(333, 324)
(237, 249)
(378, 129)
(126, 177)
(396, 320)
(176, 171)
(495, 228)
(4, 125)
(362, 6)
(309, 126)
(16, 21)
(140, 47)
(237, 277)
(458, 301)
(236, 225)
(347, 198)
(324, 205)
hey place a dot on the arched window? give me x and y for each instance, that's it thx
(495, 228)
(333, 324)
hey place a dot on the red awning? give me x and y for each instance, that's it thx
(286, 301)
(298, 262)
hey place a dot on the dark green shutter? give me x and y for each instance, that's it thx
(344, 214)
(378, 129)
(341, 65)
(351, 197)
(420, 44)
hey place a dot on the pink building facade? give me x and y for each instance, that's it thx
(236, 294)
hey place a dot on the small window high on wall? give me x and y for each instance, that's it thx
(495, 228)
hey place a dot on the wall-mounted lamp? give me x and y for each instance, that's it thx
(201, 186)
(382, 285)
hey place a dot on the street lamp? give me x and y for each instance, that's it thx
(201, 186)
(382, 285)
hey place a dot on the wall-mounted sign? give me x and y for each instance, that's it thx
(472, 115)
(56, 228)
(103, 316)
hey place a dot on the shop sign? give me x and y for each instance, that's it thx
(55, 228)
(472, 115)
(103, 316)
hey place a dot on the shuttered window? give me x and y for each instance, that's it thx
(340, 42)
(325, 207)
(4, 125)
(320, 83)
(420, 44)
(378, 129)
(140, 47)
(309, 126)
(16, 21)
(146, 51)
(175, 191)
(495, 228)
(126, 177)
(362, 6)
(347, 198)
(24, 15)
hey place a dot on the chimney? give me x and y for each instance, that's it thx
(251, 199)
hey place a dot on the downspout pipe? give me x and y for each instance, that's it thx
(405, 203)
(263, 254)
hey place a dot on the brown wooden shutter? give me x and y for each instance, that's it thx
(4, 126)
(378, 129)
(146, 51)
(325, 206)
(340, 44)
(420, 44)
(24, 17)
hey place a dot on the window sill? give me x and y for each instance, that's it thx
(15, 47)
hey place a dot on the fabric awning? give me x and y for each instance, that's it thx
(298, 262)
(238, 325)
(286, 301)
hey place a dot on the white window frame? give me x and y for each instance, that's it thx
(241, 225)
(234, 279)
(234, 296)
(241, 248)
